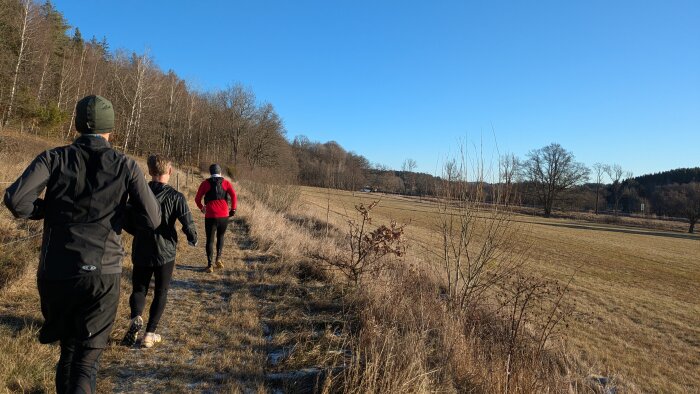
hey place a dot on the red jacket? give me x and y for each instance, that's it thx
(216, 208)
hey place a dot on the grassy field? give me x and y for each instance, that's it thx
(636, 291)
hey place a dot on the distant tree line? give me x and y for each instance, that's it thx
(550, 178)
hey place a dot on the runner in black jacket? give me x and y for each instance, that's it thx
(153, 252)
(87, 187)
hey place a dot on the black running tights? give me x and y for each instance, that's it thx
(76, 371)
(141, 279)
(218, 226)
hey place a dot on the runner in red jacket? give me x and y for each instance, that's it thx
(215, 191)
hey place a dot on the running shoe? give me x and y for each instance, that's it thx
(132, 333)
(209, 269)
(151, 339)
(219, 264)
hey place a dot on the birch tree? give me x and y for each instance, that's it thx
(27, 17)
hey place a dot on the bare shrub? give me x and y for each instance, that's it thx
(532, 310)
(479, 242)
(366, 250)
(481, 261)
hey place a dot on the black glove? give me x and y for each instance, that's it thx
(231, 212)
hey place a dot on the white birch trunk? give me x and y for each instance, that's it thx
(26, 19)
(77, 90)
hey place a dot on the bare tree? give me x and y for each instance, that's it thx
(133, 89)
(409, 165)
(78, 91)
(551, 170)
(262, 145)
(509, 167)
(239, 104)
(599, 169)
(28, 11)
(619, 179)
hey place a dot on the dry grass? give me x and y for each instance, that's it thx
(402, 336)
(274, 318)
(247, 328)
(635, 289)
(18, 238)
(25, 365)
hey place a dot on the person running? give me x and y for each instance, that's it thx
(216, 212)
(87, 188)
(153, 252)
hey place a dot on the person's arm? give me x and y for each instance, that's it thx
(232, 194)
(203, 189)
(140, 195)
(129, 223)
(184, 216)
(22, 197)
(136, 220)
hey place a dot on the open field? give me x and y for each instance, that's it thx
(637, 291)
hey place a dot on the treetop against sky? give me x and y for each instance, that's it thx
(611, 81)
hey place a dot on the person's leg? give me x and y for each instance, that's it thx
(63, 367)
(210, 229)
(221, 225)
(83, 374)
(140, 279)
(93, 325)
(58, 306)
(160, 295)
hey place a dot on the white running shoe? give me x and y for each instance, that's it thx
(151, 339)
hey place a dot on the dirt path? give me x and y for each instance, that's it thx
(252, 327)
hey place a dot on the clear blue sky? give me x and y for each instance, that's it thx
(612, 81)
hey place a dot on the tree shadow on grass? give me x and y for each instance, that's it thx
(623, 230)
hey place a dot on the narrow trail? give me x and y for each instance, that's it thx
(258, 325)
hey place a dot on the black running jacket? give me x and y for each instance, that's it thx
(87, 187)
(154, 248)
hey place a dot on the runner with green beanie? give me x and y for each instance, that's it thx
(88, 185)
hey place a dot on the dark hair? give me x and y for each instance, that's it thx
(214, 169)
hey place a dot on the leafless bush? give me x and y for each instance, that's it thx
(479, 242)
(366, 250)
(532, 310)
(482, 259)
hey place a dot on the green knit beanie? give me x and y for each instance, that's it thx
(94, 115)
